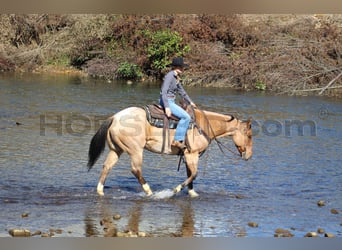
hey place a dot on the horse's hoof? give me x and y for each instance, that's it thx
(147, 189)
(100, 189)
(193, 193)
(101, 193)
(177, 189)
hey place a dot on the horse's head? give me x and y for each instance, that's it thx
(242, 137)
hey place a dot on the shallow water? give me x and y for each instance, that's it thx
(43, 164)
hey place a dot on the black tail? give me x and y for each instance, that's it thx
(98, 143)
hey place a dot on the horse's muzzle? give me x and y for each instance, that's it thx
(245, 156)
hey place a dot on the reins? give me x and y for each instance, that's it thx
(207, 136)
(219, 144)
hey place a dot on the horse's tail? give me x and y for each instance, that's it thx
(98, 143)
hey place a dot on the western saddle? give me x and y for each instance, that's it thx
(156, 116)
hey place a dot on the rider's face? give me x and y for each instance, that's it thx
(179, 70)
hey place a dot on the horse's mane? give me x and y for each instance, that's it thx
(215, 114)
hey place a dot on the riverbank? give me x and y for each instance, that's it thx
(284, 54)
(328, 90)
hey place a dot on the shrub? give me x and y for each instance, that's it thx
(85, 51)
(128, 70)
(6, 65)
(59, 60)
(102, 68)
(25, 31)
(260, 85)
(164, 44)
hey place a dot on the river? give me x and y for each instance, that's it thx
(47, 122)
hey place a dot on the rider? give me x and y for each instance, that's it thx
(170, 87)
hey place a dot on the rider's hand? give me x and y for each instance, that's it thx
(193, 104)
(168, 112)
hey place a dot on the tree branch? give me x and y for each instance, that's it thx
(330, 83)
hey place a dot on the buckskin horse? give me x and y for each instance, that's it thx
(130, 131)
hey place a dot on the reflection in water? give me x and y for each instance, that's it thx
(188, 220)
(99, 215)
(90, 226)
(134, 217)
(101, 221)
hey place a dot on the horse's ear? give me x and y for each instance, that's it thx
(249, 123)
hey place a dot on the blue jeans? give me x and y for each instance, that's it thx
(184, 121)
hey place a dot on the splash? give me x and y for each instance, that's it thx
(163, 194)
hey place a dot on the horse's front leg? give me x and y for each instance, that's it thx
(191, 190)
(191, 170)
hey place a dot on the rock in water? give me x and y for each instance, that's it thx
(38, 232)
(20, 232)
(321, 203)
(253, 224)
(334, 211)
(311, 234)
(24, 215)
(117, 217)
(329, 235)
(280, 232)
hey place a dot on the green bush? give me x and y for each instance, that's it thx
(163, 45)
(128, 70)
(260, 85)
(59, 60)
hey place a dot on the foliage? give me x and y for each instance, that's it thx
(164, 45)
(129, 71)
(291, 53)
(101, 68)
(260, 85)
(86, 50)
(6, 65)
(60, 60)
(25, 31)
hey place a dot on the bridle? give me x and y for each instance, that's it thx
(219, 143)
(207, 137)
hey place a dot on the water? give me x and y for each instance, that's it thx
(43, 164)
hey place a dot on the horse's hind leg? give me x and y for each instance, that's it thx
(110, 161)
(136, 165)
